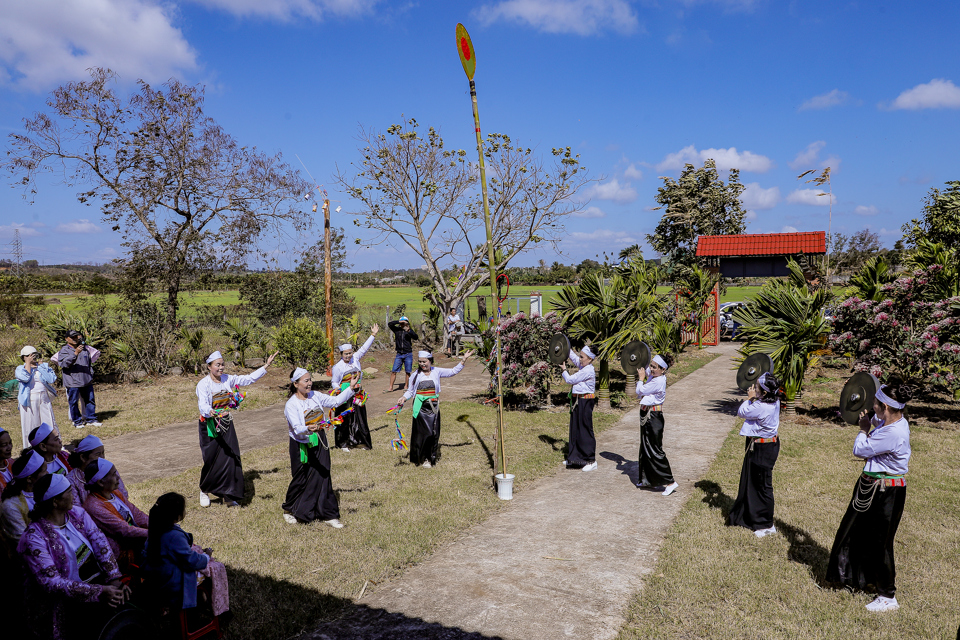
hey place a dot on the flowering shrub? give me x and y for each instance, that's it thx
(525, 344)
(904, 333)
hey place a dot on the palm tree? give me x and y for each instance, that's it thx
(868, 281)
(785, 320)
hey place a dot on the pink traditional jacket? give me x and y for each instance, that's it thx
(79, 483)
(45, 558)
(113, 525)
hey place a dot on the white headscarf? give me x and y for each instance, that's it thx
(424, 354)
(587, 352)
(346, 347)
(297, 374)
(660, 361)
(216, 355)
(43, 432)
(887, 400)
(59, 484)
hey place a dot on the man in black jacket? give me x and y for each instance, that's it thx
(403, 336)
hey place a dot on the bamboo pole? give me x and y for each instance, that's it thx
(328, 282)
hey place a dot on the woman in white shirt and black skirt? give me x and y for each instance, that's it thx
(581, 442)
(862, 551)
(753, 507)
(655, 469)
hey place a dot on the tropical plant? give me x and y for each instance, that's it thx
(941, 283)
(242, 335)
(194, 343)
(785, 320)
(867, 283)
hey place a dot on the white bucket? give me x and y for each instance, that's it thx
(504, 486)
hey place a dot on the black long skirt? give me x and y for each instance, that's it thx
(355, 431)
(753, 507)
(581, 443)
(654, 466)
(310, 495)
(425, 435)
(862, 554)
(222, 473)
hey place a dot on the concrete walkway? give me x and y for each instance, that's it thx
(564, 559)
(173, 449)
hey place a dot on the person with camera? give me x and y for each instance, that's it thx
(76, 365)
(403, 336)
(36, 392)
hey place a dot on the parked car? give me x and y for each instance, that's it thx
(726, 317)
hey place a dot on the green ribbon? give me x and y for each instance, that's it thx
(570, 399)
(418, 400)
(211, 430)
(882, 476)
(314, 440)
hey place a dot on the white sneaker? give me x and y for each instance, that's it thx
(589, 467)
(289, 519)
(335, 523)
(347, 449)
(95, 423)
(670, 489)
(882, 603)
(78, 425)
(427, 465)
(765, 532)
(566, 463)
(204, 499)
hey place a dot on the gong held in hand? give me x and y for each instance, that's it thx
(636, 355)
(857, 396)
(559, 348)
(753, 367)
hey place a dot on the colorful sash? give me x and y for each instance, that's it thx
(421, 397)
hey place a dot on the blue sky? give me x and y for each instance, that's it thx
(637, 88)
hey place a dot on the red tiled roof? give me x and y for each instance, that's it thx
(763, 244)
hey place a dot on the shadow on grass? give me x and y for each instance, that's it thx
(803, 548)
(464, 418)
(250, 487)
(629, 468)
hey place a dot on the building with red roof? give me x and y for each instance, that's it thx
(759, 255)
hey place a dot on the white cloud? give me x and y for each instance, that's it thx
(289, 9)
(810, 157)
(590, 212)
(833, 98)
(78, 226)
(788, 230)
(613, 191)
(45, 42)
(870, 210)
(633, 173)
(7, 231)
(605, 237)
(750, 215)
(936, 94)
(757, 198)
(725, 159)
(729, 5)
(580, 17)
(812, 197)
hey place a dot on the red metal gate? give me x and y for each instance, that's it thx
(709, 318)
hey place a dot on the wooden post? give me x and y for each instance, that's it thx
(328, 282)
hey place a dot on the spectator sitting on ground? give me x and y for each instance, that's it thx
(76, 364)
(403, 337)
(45, 440)
(17, 497)
(122, 523)
(36, 392)
(86, 451)
(172, 561)
(68, 562)
(6, 458)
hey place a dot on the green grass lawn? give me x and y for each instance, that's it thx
(718, 582)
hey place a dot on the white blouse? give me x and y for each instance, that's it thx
(56, 466)
(207, 388)
(297, 410)
(584, 380)
(342, 368)
(886, 449)
(653, 391)
(435, 374)
(760, 419)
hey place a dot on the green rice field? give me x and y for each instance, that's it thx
(377, 298)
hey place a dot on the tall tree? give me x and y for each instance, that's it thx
(697, 203)
(940, 221)
(416, 193)
(168, 177)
